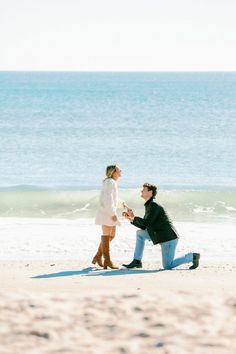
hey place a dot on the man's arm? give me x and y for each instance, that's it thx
(149, 220)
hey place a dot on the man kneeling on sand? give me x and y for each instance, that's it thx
(155, 226)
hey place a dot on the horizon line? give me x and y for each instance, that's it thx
(122, 71)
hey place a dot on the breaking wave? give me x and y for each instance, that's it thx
(28, 201)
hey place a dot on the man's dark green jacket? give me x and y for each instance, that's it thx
(156, 222)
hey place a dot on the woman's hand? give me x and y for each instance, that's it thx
(124, 205)
(114, 218)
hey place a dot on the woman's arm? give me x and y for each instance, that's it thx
(122, 204)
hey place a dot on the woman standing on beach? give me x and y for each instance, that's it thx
(106, 215)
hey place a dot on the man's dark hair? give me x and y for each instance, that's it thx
(151, 187)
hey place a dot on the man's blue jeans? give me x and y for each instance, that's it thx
(167, 249)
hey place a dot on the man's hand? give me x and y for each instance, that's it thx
(114, 218)
(129, 215)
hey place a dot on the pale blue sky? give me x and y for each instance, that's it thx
(118, 35)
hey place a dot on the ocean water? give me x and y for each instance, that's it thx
(59, 130)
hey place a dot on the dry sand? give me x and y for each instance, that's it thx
(71, 307)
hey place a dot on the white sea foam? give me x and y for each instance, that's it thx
(60, 239)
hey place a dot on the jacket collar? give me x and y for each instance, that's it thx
(148, 201)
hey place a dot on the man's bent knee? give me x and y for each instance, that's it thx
(139, 232)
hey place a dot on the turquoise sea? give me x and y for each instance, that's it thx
(59, 130)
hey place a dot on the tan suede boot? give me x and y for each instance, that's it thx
(106, 253)
(98, 256)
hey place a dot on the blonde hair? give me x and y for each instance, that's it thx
(110, 171)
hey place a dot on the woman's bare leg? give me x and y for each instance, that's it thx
(107, 230)
(113, 233)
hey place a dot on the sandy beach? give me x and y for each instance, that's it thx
(54, 302)
(71, 307)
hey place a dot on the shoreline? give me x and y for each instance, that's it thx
(65, 239)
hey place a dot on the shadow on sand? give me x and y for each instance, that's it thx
(95, 272)
(66, 273)
(123, 271)
(98, 272)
